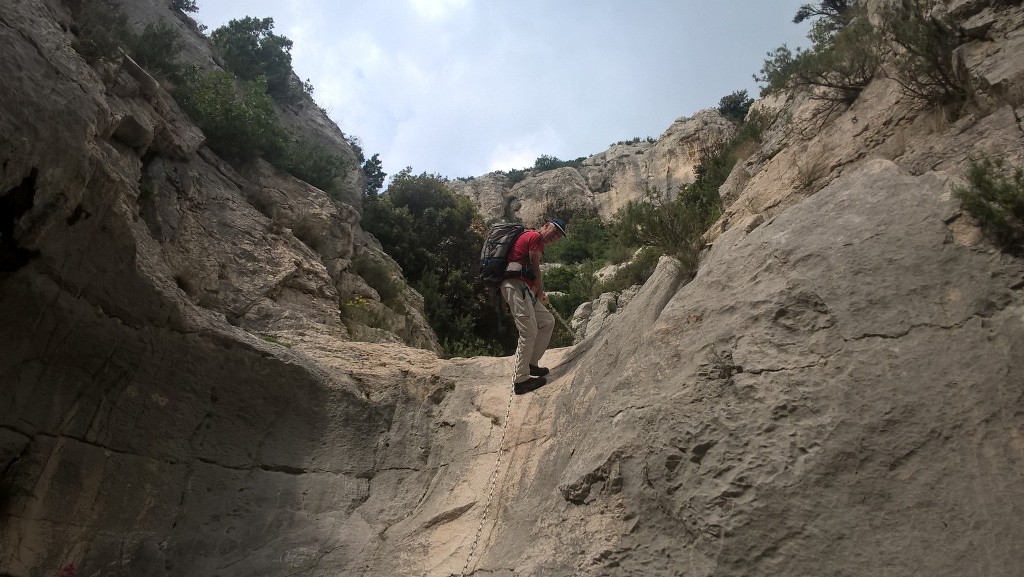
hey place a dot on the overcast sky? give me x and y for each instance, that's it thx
(464, 87)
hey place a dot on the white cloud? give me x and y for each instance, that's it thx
(460, 88)
(437, 9)
(523, 149)
(505, 157)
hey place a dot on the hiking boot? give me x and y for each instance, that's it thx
(536, 371)
(531, 384)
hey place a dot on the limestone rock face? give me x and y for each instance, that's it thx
(262, 248)
(605, 182)
(836, 391)
(144, 282)
(488, 193)
(591, 317)
(553, 192)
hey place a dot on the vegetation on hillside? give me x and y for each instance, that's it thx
(435, 236)
(236, 108)
(157, 50)
(636, 140)
(924, 38)
(735, 106)
(914, 43)
(544, 163)
(844, 56)
(185, 5)
(251, 50)
(994, 196)
(373, 169)
(240, 124)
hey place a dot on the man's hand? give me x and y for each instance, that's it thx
(543, 296)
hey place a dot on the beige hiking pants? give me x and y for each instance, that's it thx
(534, 322)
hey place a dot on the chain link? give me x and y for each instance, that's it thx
(494, 479)
(497, 460)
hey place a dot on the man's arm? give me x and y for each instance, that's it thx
(538, 279)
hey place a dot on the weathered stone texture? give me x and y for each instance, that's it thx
(836, 392)
(605, 182)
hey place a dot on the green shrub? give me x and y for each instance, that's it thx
(584, 285)
(377, 275)
(471, 347)
(735, 106)
(672, 226)
(847, 50)
(588, 240)
(516, 176)
(925, 41)
(636, 272)
(275, 340)
(675, 226)
(185, 5)
(435, 237)
(714, 169)
(157, 50)
(359, 311)
(557, 279)
(576, 283)
(240, 123)
(994, 195)
(375, 175)
(619, 252)
(636, 140)
(101, 29)
(845, 54)
(311, 162)
(777, 70)
(830, 14)
(251, 49)
(546, 162)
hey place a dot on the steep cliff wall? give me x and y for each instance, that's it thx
(606, 181)
(836, 392)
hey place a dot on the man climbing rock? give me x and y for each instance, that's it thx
(523, 290)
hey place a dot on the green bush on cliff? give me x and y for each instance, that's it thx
(994, 195)
(240, 122)
(100, 27)
(312, 162)
(185, 5)
(103, 31)
(636, 271)
(845, 54)
(435, 236)
(373, 169)
(925, 40)
(735, 106)
(547, 162)
(577, 284)
(377, 275)
(917, 37)
(157, 49)
(672, 225)
(589, 241)
(251, 49)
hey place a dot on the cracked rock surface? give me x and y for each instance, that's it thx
(838, 390)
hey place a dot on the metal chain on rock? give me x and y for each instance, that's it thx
(494, 479)
(497, 460)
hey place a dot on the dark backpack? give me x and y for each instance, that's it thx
(494, 254)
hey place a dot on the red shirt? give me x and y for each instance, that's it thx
(527, 242)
